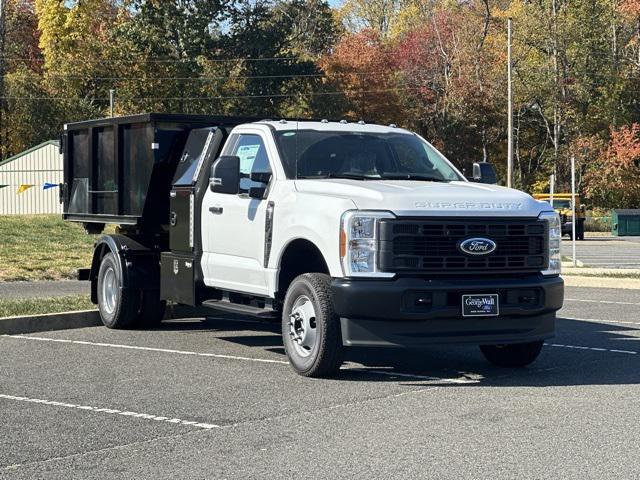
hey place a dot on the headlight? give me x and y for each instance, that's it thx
(555, 234)
(359, 243)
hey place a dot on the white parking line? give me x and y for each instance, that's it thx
(411, 375)
(230, 357)
(598, 320)
(148, 349)
(112, 411)
(600, 301)
(594, 349)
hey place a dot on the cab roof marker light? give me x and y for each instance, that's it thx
(361, 122)
(283, 121)
(324, 120)
(344, 122)
(393, 125)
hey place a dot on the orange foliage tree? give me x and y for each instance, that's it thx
(360, 66)
(613, 178)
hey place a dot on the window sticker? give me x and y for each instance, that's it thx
(247, 154)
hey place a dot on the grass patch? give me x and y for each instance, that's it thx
(34, 306)
(42, 247)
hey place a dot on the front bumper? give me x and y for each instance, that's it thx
(416, 311)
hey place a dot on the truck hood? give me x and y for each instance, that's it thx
(419, 198)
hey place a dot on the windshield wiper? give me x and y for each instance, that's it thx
(413, 176)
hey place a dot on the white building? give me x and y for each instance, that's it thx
(37, 166)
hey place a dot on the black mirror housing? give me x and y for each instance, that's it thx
(257, 192)
(225, 175)
(260, 177)
(483, 172)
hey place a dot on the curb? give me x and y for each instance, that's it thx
(603, 272)
(601, 282)
(80, 319)
(49, 321)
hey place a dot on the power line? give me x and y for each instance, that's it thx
(222, 97)
(160, 60)
(223, 77)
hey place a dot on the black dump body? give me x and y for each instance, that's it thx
(119, 170)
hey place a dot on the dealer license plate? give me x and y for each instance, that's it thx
(480, 305)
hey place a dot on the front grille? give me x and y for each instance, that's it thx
(431, 245)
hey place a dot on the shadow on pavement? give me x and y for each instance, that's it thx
(556, 366)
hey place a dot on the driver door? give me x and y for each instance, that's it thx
(233, 225)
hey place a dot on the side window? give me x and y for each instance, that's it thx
(253, 158)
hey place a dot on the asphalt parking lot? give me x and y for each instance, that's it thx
(216, 399)
(605, 252)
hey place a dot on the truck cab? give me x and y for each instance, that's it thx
(349, 234)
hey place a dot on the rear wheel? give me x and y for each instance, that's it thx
(515, 355)
(310, 327)
(118, 307)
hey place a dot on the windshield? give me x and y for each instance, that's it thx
(398, 156)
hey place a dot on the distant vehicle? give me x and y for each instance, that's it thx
(562, 205)
(351, 234)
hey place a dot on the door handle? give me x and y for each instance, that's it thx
(216, 210)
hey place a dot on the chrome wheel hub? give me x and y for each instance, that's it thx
(302, 326)
(109, 290)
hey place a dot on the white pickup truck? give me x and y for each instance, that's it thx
(352, 234)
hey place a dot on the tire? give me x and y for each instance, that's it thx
(580, 232)
(513, 356)
(310, 328)
(152, 309)
(118, 308)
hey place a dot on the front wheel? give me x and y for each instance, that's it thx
(516, 355)
(310, 327)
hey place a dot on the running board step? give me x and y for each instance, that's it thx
(241, 309)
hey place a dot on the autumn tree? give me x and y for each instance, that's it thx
(361, 66)
(19, 51)
(376, 15)
(613, 177)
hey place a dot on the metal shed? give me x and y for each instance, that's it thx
(34, 168)
(625, 222)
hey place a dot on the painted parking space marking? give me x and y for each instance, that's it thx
(598, 320)
(112, 411)
(147, 349)
(391, 373)
(593, 349)
(360, 369)
(609, 302)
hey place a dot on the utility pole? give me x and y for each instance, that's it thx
(3, 15)
(510, 108)
(112, 100)
(573, 210)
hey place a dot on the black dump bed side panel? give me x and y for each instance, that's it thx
(119, 170)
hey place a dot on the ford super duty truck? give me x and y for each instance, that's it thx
(352, 234)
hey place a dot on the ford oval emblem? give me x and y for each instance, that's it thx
(477, 246)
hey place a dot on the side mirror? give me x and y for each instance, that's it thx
(225, 175)
(484, 172)
(259, 177)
